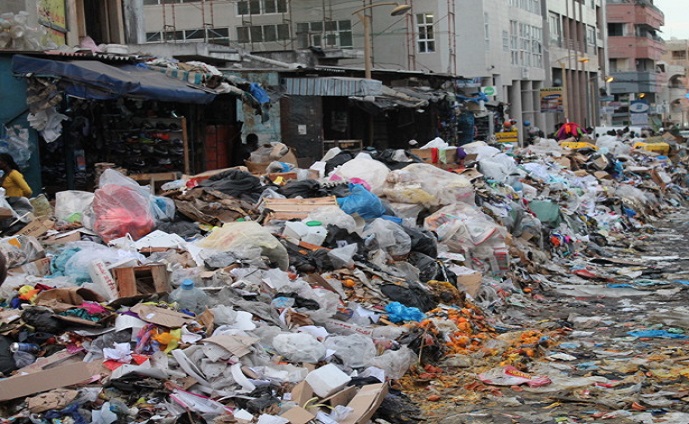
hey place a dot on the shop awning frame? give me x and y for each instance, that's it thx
(91, 79)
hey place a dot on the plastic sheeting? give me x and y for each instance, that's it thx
(91, 79)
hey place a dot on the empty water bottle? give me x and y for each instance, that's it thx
(189, 297)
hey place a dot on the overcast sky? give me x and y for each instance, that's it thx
(676, 18)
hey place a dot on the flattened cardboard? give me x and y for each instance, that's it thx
(160, 316)
(365, 403)
(37, 268)
(342, 397)
(298, 415)
(50, 362)
(470, 283)
(237, 345)
(301, 393)
(101, 277)
(29, 384)
(56, 399)
(60, 300)
(36, 228)
(63, 238)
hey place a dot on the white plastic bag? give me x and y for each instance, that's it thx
(390, 237)
(71, 205)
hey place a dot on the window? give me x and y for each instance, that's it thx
(679, 54)
(153, 37)
(505, 41)
(426, 40)
(526, 44)
(514, 45)
(243, 35)
(591, 36)
(262, 33)
(533, 6)
(213, 35)
(555, 29)
(324, 34)
(261, 7)
(486, 28)
(615, 30)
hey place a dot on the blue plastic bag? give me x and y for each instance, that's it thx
(362, 202)
(397, 312)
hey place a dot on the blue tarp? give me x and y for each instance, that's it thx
(91, 79)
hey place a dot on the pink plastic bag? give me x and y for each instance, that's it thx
(121, 210)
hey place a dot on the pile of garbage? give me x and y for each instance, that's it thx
(293, 294)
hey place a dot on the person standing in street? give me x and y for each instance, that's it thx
(242, 151)
(12, 180)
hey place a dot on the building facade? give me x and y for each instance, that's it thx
(674, 103)
(576, 57)
(514, 47)
(635, 50)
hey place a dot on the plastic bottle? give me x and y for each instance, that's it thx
(316, 233)
(189, 297)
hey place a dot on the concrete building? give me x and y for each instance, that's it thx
(675, 105)
(635, 49)
(576, 57)
(515, 47)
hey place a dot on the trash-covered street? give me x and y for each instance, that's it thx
(480, 284)
(612, 348)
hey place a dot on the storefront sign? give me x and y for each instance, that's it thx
(638, 112)
(490, 90)
(551, 100)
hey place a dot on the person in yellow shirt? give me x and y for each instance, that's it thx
(13, 181)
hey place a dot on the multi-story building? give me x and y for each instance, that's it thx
(634, 49)
(674, 103)
(576, 57)
(516, 47)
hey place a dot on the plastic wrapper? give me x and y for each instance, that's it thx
(462, 228)
(389, 236)
(427, 185)
(17, 144)
(75, 259)
(71, 205)
(355, 351)
(299, 347)
(242, 234)
(121, 210)
(362, 202)
(395, 363)
(19, 250)
(332, 215)
(163, 208)
(363, 168)
(342, 257)
(397, 312)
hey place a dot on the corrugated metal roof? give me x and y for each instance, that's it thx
(87, 55)
(333, 86)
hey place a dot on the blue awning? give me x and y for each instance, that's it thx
(91, 79)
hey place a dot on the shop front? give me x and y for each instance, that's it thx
(93, 115)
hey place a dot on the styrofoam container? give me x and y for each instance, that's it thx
(327, 380)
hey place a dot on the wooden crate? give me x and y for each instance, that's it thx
(286, 209)
(351, 145)
(426, 155)
(142, 280)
